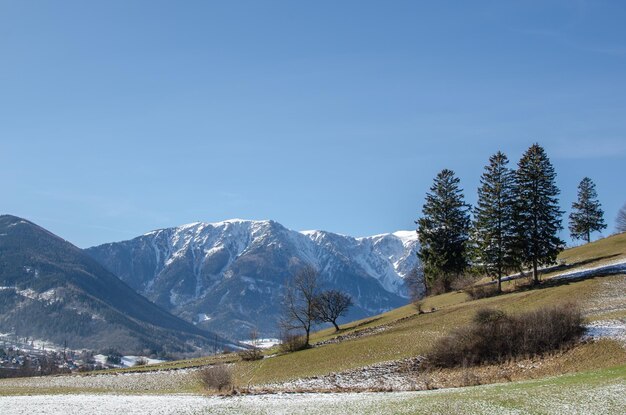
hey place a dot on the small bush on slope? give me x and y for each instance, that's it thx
(495, 337)
(217, 377)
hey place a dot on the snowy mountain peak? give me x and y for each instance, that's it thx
(237, 268)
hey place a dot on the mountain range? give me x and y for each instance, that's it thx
(229, 276)
(54, 291)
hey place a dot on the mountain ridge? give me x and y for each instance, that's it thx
(52, 290)
(224, 269)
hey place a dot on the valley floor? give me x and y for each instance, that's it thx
(596, 392)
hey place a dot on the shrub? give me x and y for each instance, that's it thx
(495, 337)
(418, 304)
(292, 343)
(254, 352)
(251, 354)
(481, 291)
(464, 281)
(142, 361)
(217, 377)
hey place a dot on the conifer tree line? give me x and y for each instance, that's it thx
(514, 225)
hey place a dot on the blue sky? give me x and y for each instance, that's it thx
(120, 117)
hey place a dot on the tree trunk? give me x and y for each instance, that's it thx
(499, 283)
(335, 324)
(535, 272)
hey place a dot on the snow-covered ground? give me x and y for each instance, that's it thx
(136, 382)
(262, 343)
(613, 267)
(534, 398)
(9, 340)
(129, 361)
(611, 329)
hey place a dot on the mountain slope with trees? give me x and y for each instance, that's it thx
(52, 290)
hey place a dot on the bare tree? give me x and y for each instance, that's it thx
(330, 305)
(254, 352)
(416, 284)
(299, 302)
(620, 222)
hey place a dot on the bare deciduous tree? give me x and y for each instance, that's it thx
(299, 302)
(330, 305)
(416, 284)
(620, 222)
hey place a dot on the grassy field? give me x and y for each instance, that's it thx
(589, 393)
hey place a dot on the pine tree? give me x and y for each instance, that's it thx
(537, 213)
(586, 215)
(494, 229)
(443, 231)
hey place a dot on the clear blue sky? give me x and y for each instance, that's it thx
(118, 117)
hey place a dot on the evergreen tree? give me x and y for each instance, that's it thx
(537, 213)
(443, 231)
(587, 215)
(494, 231)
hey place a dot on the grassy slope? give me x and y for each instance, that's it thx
(407, 334)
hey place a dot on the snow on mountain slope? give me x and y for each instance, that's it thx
(233, 272)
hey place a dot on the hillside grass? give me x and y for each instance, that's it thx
(402, 333)
(408, 334)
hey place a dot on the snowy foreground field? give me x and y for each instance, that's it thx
(600, 392)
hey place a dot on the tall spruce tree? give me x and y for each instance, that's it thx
(537, 213)
(587, 215)
(443, 232)
(494, 231)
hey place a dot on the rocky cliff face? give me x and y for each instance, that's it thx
(229, 276)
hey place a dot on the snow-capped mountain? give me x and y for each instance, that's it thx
(51, 291)
(229, 276)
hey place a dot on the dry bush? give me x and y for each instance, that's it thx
(418, 304)
(464, 281)
(495, 337)
(292, 343)
(254, 352)
(470, 378)
(142, 361)
(436, 287)
(251, 354)
(481, 291)
(217, 377)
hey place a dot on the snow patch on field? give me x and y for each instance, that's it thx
(612, 329)
(614, 267)
(262, 343)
